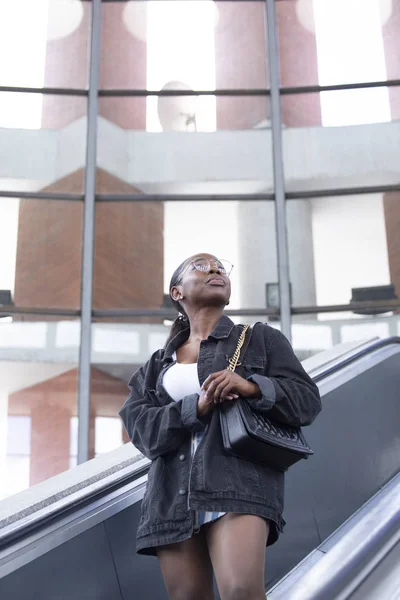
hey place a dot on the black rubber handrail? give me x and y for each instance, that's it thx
(24, 529)
(344, 362)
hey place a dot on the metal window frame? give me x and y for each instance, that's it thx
(278, 168)
(84, 368)
(230, 92)
(107, 313)
(294, 195)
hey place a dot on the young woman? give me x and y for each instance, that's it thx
(205, 511)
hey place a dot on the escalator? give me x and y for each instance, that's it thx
(82, 545)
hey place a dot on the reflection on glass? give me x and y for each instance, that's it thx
(44, 137)
(325, 42)
(342, 250)
(229, 230)
(44, 43)
(187, 157)
(312, 334)
(38, 398)
(40, 242)
(200, 43)
(109, 390)
(163, 235)
(340, 244)
(356, 146)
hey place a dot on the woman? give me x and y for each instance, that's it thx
(205, 511)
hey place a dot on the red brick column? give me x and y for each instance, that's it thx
(123, 65)
(67, 66)
(241, 62)
(298, 66)
(391, 37)
(240, 52)
(129, 250)
(391, 204)
(50, 404)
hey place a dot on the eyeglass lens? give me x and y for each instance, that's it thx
(203, 264)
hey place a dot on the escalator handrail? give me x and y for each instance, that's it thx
(21, 528)
(352, 559)
(331, 369)
(25, 527)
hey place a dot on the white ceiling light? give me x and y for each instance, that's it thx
(386, 10)
(305, 12)
(65, 16)
(177, 113)
(134, 17)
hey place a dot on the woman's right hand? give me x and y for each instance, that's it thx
(205, 403)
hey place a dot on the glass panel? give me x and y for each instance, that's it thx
(139, 245)
(183, 44)
(316, 333)
(229, 153)
(341, 139)
(344, 250)
(38, 399)
(328, 42)
(46, 43)
(42, 142)
(135, 258)
(40, 242)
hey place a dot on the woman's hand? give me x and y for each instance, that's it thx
(206, 402)
(227, 385)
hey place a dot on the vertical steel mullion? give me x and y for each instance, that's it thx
(279, 177)
(88, 236)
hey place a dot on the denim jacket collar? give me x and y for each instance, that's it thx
(222, 330)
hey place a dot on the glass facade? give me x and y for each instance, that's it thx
(134, 134)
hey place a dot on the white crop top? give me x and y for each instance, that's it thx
(181, 380)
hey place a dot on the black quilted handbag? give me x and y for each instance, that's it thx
(252, 436)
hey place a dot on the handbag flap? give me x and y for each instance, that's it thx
(261, 427)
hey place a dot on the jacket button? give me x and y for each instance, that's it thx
(182, 492)
(182, 457)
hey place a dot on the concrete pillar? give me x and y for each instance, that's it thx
(257, 251)
(257, 254)
(301, 252)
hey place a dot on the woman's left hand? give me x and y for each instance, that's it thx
(218, 386)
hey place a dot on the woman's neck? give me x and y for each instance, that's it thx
(203, 322)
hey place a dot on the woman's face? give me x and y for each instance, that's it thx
(210, 286)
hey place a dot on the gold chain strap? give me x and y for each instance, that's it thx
(234, 360)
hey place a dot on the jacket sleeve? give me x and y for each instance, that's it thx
(155, 429)
(289, 395)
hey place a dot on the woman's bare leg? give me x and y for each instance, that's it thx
(187, 569)
(236, 544)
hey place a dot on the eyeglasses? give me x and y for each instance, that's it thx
(204, 265)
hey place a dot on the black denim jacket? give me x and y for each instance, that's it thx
(214, 481)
